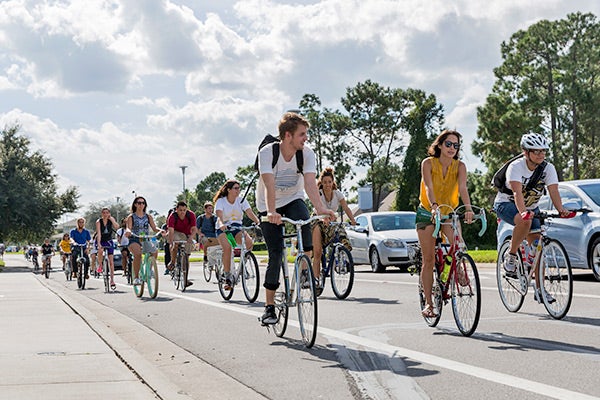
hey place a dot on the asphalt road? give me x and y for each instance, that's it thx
(374, 344)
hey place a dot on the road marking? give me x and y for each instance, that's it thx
(395, 351)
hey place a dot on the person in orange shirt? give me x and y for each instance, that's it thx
(443, 179)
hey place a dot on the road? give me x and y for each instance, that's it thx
(373, 345)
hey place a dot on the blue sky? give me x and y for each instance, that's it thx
(120, 93)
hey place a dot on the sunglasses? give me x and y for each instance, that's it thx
(140, 202)
(537, 152)
(449, 144)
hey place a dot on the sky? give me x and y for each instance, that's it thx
(119, 94)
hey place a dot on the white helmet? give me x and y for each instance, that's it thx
(534, 141)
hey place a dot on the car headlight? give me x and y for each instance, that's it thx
(394, 243)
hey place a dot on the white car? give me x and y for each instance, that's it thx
(381, 239)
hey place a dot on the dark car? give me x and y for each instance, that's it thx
(579, 235)
(382, 239)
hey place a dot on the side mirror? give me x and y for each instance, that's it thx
(360, 229)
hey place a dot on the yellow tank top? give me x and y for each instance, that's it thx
(445, 188)
(65, 246)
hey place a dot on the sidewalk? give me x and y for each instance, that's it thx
(58, 344)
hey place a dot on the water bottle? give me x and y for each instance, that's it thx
(446, 270)
(531, 250)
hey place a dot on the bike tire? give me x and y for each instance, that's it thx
(47, 271)
(80, 276)
(152, 278)
(106, 274)
(207, 270)
(465, 292)
(225, 293)
(342, 272)
(437, 296)
(185, 268)
(68, 274)
(250, 276)
(555, 269)
(139, 289)
(281, 307)
(306, 301)
(509, 288)
(129, 271)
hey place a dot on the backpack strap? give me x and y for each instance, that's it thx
(537, 174)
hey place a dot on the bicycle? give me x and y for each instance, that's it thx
(68, 268)
(148, 269)
(80, 264)
(462, 285)
(550, 262)
(300, 292)
(127, 272)
(36, 265)
(337, 262)
(179, 274)
(46, 262)
(246, 269)
(106, 270)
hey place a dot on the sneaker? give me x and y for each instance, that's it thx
(510, 263)
(269, 317)
(318, 287)
(304, 283)
(228, 282)
(167, 272)
(538, 298)
(189, 283)
(137, 281)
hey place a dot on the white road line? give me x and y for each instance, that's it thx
(394, 351)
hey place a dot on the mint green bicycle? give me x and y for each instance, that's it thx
(148, 268)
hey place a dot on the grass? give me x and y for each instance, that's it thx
(484, 256)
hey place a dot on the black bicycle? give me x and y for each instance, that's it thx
(337, 263)
(179, 274)
(80, 264)
(127, 271)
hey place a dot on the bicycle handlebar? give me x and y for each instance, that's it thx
(299, 222)
(459, 212)
(148, 237)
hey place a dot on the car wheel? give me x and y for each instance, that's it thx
(376, 265)
(594, 258)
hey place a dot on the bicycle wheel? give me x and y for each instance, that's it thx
(281, 307)
(342, 272)
(250, 277)
(207, 269)
(152, 278)
(225, 293)
(139, 289)
(466, 295)
(184, 271)
(129, 269)
(68, 269)
(307, 301)
(437, 295)
(509, 288)
(557, 279)
(176, 274)
(106, 274)
(80, 276)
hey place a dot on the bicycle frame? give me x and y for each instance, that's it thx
(328, 255)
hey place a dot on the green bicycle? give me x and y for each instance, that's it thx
(148, 268)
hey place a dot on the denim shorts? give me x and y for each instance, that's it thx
(506, 211)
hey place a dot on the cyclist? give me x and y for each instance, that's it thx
(230, 211)
(123, 242)
(332, 198)
(443, 179)
(518, 209)
(47, 253)
(65, 249)
(182, 226)
(80, 235)
(139, 223)
(104, 233)
(206, 228)
(280, 192)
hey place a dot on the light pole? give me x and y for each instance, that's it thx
(118, 198)
(183, 167)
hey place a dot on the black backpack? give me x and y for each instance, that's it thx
(499, 179)
(272, 139)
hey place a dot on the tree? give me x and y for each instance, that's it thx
(117, 210)
(422, 121)
(375, 113)
(29, 201)
(206, 190)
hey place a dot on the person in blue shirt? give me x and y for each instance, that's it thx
(206, 228)
(81, 236)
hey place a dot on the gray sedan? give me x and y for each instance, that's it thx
(381, 238)
(579, 235)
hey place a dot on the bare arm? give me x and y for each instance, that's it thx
(252, 216)
(556, 200)
(464, 192)
(347, 210)
(272, 214)
(428, 182)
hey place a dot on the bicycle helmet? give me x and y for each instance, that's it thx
(534, 141)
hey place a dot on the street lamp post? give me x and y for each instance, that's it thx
(118, 198)
(183, 167)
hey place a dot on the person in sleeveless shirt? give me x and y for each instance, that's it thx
(443, 179)
(322, 233)
(139, 222)
(105, 226)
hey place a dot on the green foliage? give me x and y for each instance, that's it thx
(205, 191)
(117, 210)
(29, 201)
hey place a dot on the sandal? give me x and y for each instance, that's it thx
(428, 312)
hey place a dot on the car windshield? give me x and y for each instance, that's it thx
(593, 191)
(391, 222)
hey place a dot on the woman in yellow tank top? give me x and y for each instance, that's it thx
(443, 178)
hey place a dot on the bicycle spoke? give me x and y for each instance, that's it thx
(466, 295)
(307, 302)
(508, 288)
(557, 288)
(342, 272)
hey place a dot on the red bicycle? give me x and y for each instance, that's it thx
(455, 275)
